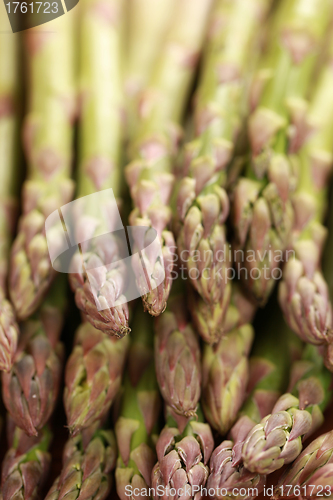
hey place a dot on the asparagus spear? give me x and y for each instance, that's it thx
(48, 145)
(88, 460)
(92, 377)
(148, 25)
(303, 292)
(277, 439)
(302, 476)
(269, 366)
(182, 459)
(225, 369)
(262, 209)
(177, 359)
(136, 428)
(207, 321)
(30, 389)
(154, 147)
(99, 281)
(9, 125)
(26, 464)
(203, 204)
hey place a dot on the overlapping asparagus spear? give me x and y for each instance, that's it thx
(241, 310)
(93, 376)
(277, 439)
(225, 369)
(178, 359)
(26, 464)
(153, 149)
(262, 210)
(302, 478)
(269, 367)
(48, 132)
(30, 389)
(303, 292)
(182, 460)
(88, 460)
(137, 426)
(148, 24)
(203, 204)
(100, 278)
(9, 176)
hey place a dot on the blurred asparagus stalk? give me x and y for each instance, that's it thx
(148, 25)
(277, 439)
(30, 389)
(98, 273)
(303, 476)
(202, 203)
(269, 367)
(153, 149)
(303, 292)
(9, 177)
(26, 464)
(137, 426)
(92, 377)
(182, 459)
(48, 134)
(225, 368)
(88, 460)
(177, 358)
(262, 209)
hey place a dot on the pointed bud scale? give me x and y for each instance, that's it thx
(26, 464)
(177, 361)
(313, 464)
(92, 376)
(86, 469)
(30, 389)
(9, 334)
(225, 376)
(183, 463)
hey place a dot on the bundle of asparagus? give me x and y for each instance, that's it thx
(207, 368)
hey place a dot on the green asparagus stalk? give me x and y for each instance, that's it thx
(148, 25)
(9, 138)
(202, 203)
(48, 133)
(241, 310)
(177, 359)
(88, 460)
(303, 292)
(277, 439)
(26, 464)
(182, 459)
(99, 277)
(225, 370)
(136, 427)
(302, 478)
(92, 377)
(262, 208)
(30, 389)
(154, 146)
(269, 367)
